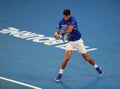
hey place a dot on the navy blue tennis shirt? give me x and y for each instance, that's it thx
(75, 34)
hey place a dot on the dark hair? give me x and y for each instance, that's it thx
(66, 12)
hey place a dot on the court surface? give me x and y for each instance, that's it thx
(27, 63)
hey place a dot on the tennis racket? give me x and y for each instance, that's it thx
(65, 37)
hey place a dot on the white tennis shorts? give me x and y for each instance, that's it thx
(79, 45)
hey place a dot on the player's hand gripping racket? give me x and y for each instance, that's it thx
(64, 37)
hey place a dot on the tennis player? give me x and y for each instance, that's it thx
(69, 25)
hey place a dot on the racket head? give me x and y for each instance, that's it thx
(66, 37)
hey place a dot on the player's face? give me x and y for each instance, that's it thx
(66, 18)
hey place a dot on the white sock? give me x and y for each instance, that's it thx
(95, 65)
(61, 71)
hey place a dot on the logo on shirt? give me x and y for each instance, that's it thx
(64, 27)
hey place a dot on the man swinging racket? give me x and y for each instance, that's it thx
(69, 25)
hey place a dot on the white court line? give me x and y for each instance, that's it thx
(20, 83)
(92, 49)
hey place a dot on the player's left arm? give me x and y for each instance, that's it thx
(70, 28)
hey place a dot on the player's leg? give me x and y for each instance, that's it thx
(63, 65)
(81, 48)
(92, 62)
(68, 53)
(88, 58)
(66, 59)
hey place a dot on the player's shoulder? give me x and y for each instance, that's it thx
(73, 18)
(61, 21)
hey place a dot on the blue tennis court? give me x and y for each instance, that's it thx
(27, 63)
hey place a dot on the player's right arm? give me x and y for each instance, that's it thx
(57, 33)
